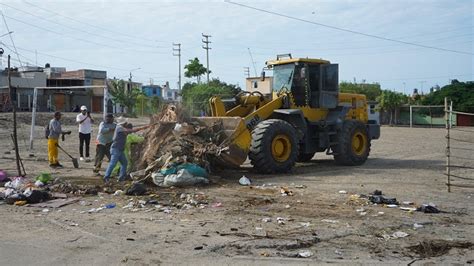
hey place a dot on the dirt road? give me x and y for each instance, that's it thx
(227, 223)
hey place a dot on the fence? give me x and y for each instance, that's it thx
(459, 151)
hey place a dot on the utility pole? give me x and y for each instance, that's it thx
(177, 52)
(207, 48)
(15, 136)
(253, 62)
(247, 72)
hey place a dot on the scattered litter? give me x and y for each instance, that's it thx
(329, 221)
(245, 181)
(259, 231)
(410, 209)
(44, 178)
(183, 178)
(399, 234)
(307, 224)
(39, 183)
(392, 206)
(94, 210)
(339, 253)
(428, 208)
(380, 199)
(360, 210)
(118, 192)
(198, 248)
(136, 189)
(408, 203)
(281, 220)
(266, 219)
(305, 254)
(287, 206)
(20, 203)
(342, 192)
(381, 213)
(300, 186)
(285, 191)
(45, 210)
(110, 206)
(56, 203)
(417, 225)
(216, 205)
(362, 213)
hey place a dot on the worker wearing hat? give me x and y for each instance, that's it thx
(118, 147)
(85, 121)
(104, 141)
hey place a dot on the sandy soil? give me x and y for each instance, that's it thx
(228, 228)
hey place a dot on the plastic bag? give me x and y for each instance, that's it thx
(183, 178)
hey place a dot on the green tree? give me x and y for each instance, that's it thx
(461, 93)
(371, 91)
(196, 96)
(195, 69)
(124, 96)
(148, 105)
(390, 101)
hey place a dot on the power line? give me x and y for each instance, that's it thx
(79, 39)
(90, 25)
(253, 62)
(346, 30)
(76, 29)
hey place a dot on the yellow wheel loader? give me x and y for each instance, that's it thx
(304, 114)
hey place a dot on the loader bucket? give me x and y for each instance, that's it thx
(234, 145)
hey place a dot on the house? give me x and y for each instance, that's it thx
(257, 84)
(168, 94)
(66, 99)
(152, 90)
(24, 80)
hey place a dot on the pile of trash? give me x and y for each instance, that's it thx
(378, 198)
(177, 150)
(19, 191)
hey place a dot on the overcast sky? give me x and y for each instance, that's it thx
(118, 36)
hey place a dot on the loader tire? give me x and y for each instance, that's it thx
(353, 144)
(274, 147)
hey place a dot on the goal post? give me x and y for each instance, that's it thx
(35, 103)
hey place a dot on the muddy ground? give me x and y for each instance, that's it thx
(227, 223)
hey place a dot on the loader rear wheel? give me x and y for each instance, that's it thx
(274, 147)
(353, 144)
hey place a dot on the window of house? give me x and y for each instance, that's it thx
(254, 84)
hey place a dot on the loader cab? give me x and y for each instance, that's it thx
(311, 82)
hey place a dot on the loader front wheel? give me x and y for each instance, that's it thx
(353, 144)
(274, 147)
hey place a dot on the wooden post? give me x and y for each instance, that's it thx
(448, 152)
(15, 137)
(411, 116)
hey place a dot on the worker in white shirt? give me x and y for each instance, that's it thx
(85, 121)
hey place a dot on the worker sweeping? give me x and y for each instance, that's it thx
(53, 131)
(104, 141)
(118, 147)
